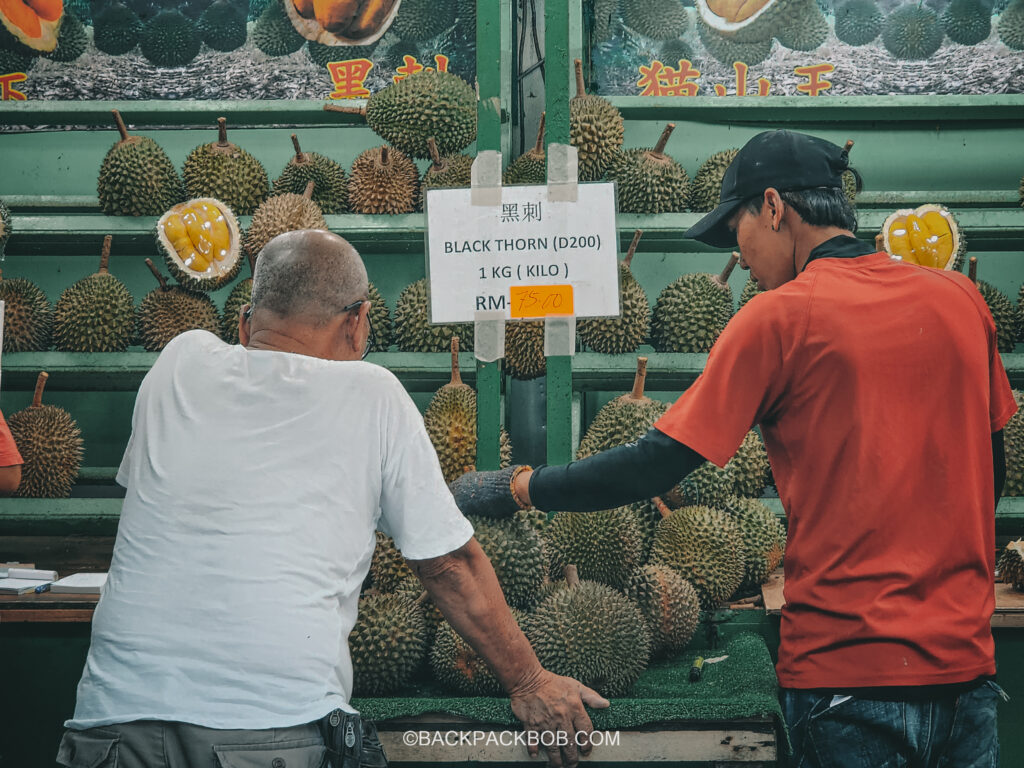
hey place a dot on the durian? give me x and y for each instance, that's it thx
(674, 51)
(516, 551)
(669, 605)
(728, 50)
(388, 569)
(71, 40)
(967, 22)
(750, 290)
(1011, 564)
(222, 25)
(96, 314)
(240, 295)
(116, 29)
(451, 172)
(50, 445)
(226, 172)
(383, 180)
(858, 22)
(287, 212)
(381, 330)
(170, 310)
(12, 61)
(912, 32)
(606, 16)
(456, 665)
(616, 335)
(1005, 314)
(624, 419)
(424, 19)
(450, 420)
(413, 331)
(201, 243)
(592, 633)
(136, 177)
(322, 54)
(530, 167)
(804, 27)
(331, 188)
(705, 547)
(706, 189)
(387, 644)
(605, 547)
(707, 486)
(169, 39)
(524, 349)
(5, 227)
(274, 33)
(928, 235)
(744, 22)
(648, 180)
(762, 537)
(1013, 436)
(595, 129)
(656, 19)
(749, 470)
(1011, 25)
(28, 316)
(692, 311)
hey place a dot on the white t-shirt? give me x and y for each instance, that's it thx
(255, 480)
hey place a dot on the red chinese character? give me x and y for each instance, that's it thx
(442, 62)
(659, 80)
(7, 90)
(814, 85)
(741, 82)
(410, 67)
(348, 77)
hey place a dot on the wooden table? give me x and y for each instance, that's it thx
(47, 608)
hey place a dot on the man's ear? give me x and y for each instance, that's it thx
(243, 325)
(774, 207)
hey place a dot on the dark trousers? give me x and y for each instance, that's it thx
(950, 731)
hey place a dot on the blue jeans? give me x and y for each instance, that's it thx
(952, 731)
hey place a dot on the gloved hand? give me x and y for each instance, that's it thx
(488, 494)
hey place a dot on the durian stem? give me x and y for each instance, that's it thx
(723, 278)
(659, 148)
(632, 248)
(105, 255)
(640, 379)
(300, 156)
(222, 131)
(156, 273)
(345, 110)
(849, 146)
(37, 398)
(120, 125)
(879, 242)
(581, 89)
(538, 147)
(972, 269)
(572, 576)
(456, 374)
(435, 156)
(308, 191)
(661, 506)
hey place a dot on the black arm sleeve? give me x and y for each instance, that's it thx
(998, 463)
(648, 467)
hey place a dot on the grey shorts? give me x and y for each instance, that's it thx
(157, 744)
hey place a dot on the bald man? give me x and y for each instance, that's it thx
(255, 477)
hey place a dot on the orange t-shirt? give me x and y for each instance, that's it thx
(877, 386)
(9, 455)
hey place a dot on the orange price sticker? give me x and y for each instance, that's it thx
(540, 300)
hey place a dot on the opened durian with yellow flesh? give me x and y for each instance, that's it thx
(201, 242)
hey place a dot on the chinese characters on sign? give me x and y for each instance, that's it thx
(659, 79)
(349, 75)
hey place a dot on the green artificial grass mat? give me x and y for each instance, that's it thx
(741, 686)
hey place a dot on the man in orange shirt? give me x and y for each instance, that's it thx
(881, 398)
(10, 461)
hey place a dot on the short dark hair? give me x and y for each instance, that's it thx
(819, 207)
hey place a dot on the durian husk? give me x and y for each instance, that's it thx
(95, 314)
(451, 172)
(226, 172)
(669, 604)
(616, 335)
(1005, 314)
(387, 644)
(516, 551)
(605, 546)
(763, 541)
(1013, 437)
(382, 330)
(170, 310)
(287, 212)
(383, 180)
(531, 166)
(413, 331)
(706, 190)
(28, 316)
(595, 129)
(137, 178)
(50, 444)
(388, 569)
(648, 180)
(692, 311)
(330, 189)
(220, 272)
(524, 349)
(1011, 564)
(240, 295)
(330, 27)
(456, 665)
(624, 419)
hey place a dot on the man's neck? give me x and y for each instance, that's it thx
(294, 341)
(808, 238)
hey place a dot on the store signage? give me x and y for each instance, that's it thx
(530, 257)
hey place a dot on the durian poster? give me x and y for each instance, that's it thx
(227, 49)
(764, 48)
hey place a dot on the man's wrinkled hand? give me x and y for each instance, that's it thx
(488, 494)
(552, 703)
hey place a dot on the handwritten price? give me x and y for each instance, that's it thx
(540, 300)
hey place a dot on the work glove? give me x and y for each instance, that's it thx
(488, 494)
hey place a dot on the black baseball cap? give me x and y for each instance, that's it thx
(782, 159)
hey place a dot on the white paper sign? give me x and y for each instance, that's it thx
(477, 255)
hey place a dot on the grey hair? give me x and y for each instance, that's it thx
(308, 275)
(819, 207)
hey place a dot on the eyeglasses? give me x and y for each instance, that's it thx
(355, 305)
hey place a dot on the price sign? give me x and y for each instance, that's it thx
(529, 257)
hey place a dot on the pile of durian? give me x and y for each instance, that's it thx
(598, 594)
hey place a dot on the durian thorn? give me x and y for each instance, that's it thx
(435, 156)
(722, 280)
(156, 273)
(222, 131)
(308, 191)
(972, 269)
(581, 89)
(120, 125)
(456, 374)
(880, 242)
(639, 379)
(345, 110)
(300, 157)
(632, 248)
(105, 255)
(37, 398)
(659, 148)
(538, 147)
(661, 506)
(572, 576)
(422, 598)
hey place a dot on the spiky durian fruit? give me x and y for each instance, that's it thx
(381, 329)
(5, 226)
(673, 51)
(450, 420)
(858, 22)
(524, 349)
(28, 316)
(424, 19)
(606, 18)
(240, 295)
(283, 213)
(1011, 25)
(322, 54)
(451, 172)
(116, 29)
(170, 39)
(387, 644)
(595, 129)
(413, 331)
(388, 569)
(705, 547)
(1005, 314)
(96, 314)
(1011, 564)
(593, 633)
(729, 50)
(624, 419)
(222, 25)
(71, 40)
(383, 180)
(750, 290)
(625, 333)
(201, 242)
(707, 486)
(170, 310)
(802, 27)
(412, 588)
(762, 538)
(456, 665)
(50, 445)
(657, 19)
(1013, 435)
(967, 22)
(136, 177)
(531, 167)
(226, 172)
(912, 32)
(12, 61)
(604, 546)
(669, 605)
(516, 551)
(706, 189)
(274, 33)
(330, 190)
(749, 469)
(647, 517)
(648, 180)
(692, 311)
